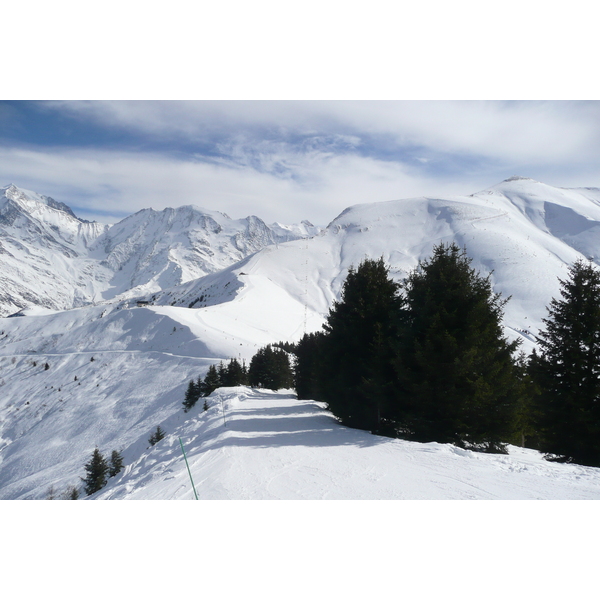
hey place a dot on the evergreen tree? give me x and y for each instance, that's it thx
(356, 375)
(96, 469)
(212, 380)
(257, 371)
(270, 368)
(200, 388)
(116, 463)
(234, 374)
(191, 396)
(306, 368)
(158, 435)
(222, 373)
(457, 375)
(71, 493)
(567, 371)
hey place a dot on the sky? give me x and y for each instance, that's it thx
(287, 160)
(293, 113)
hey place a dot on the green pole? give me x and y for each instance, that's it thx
(188, 468)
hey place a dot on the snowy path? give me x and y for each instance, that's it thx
(273, 446)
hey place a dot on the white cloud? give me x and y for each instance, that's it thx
(289, 161)
(116, 182)
(529, 131)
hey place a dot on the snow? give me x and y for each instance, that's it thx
(271, 445)
(263, 445)
(92, 262)
(274, 446)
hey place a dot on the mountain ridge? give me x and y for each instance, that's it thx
(145, 252)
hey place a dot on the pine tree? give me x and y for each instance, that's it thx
(234, 374)
(270, 368)
(222, 373)
(257, 371)
(567, 371)
(116, 463)
(306, 368)
(158, 435)
(71, 493)
(457, 376)
(96, 469)
(212, 381)
(191, 396)
(356, 372)
(200, 388)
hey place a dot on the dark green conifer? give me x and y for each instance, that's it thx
(96, 469)
(222, 373)
(191, 396)
(72, 493)
(116, 463)
(270, 368)
(234, 374)
(158, 435)
(306, 367)
(200, 387)
(212, 381)
(457, 377)
(356, 372)
(567, 370)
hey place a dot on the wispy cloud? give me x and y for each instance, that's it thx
(292, 160)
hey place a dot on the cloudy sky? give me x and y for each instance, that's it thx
(288, 160)
(253, 108)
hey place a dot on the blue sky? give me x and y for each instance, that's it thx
(288, 160)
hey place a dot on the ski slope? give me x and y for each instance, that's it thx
(261, 445)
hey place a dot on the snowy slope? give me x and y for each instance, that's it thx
(525, 231)
(260, 445)
(113, 376)
(44, 253)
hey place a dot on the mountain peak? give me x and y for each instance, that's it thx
(519, 178)
(28, 199)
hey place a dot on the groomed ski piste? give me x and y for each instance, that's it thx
(256, 444)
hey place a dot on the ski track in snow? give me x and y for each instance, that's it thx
(271, 446)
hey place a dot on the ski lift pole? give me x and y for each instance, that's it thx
(188, 468)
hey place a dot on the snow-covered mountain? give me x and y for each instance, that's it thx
(50, 258)
(526, 232)
(44, 254)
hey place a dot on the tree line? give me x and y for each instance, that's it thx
(427, 360)
(269, 368)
